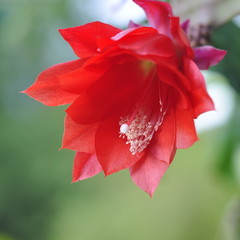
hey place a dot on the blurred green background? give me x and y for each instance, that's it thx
(197, 198)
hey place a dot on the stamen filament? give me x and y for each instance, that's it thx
(148, 115)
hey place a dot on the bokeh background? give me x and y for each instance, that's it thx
(197, 199)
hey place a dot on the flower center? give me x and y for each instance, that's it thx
(139, 126)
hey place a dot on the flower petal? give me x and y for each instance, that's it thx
(200, 99)
(181, 40)
(186, 134)
(145, 41)
(85, 111)
(132, 24)
(163, 145)
(147, 173)
(51, 85)
(172, 77)
(185, 26)
(157, 13)
(79, 137)
(110, 94)
(208, 56)
(85, 166)
(83, 39)
(112, 151)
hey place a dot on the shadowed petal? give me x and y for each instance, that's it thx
(163, 145)
(208, 56)
(115, 90)
(83, 39)
(181, 40)
(79, 137)
(173, 78)
(200, 99)
(111, 150)
(85, 111)
(158, 14)
(147, 173)
(85, 166)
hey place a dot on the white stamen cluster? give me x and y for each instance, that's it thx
(140, 130)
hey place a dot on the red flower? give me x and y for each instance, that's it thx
(133, 95)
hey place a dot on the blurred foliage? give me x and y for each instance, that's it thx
(230, 66)
(5, 237)
(231, 220)
(28, 186)
(229, 154)
(37, 200)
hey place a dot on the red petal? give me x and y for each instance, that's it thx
(51, 85)
(148, 172)
(208, 56)
(113, 92)
(200, 99)
(181, 40)
(83, 39)
(157, 13)
(85, 166)
(79, 137)
(171, 71)
(79, 80)
(163, 145)
(186, 133)
(135, 32)
(62, 83)
(145, 41)
(85, 111)
(112, 151)
(171, 76)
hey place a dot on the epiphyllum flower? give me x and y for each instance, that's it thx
(133, 95)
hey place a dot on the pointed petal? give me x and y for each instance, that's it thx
(208, 56)
(185, 26)
(51, 86)
(163, 145)
(200, 99)
(112, 151)
(186, 134)
(181, 40)
(158, 14)
(79, 137)
(147, 173)
(83, 39)
(132, 24)
(85, 166)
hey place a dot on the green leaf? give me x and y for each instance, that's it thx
(227, 38)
